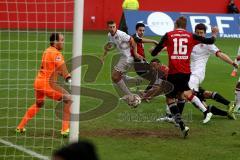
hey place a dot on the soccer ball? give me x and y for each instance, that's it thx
(132, 100)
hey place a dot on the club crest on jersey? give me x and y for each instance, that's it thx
(58, 58)
(116, 37)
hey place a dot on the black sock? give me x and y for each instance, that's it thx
(180, 105)
(217, 97)
(176, 114)
(217, 111)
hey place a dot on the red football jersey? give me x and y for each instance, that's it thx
(140, 46)
(179, 45)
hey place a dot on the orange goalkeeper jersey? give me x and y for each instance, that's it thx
(52, 65)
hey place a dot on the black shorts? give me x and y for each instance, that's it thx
(143, 69)
(180, 83)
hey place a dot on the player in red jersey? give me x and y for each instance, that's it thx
(179, 45)
(140, 65)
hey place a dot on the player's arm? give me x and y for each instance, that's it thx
(107, 47)
(226, 59)
(146, 40)
(207, 40)
(204, 40)
(66, 75)
(159, 46)
(62, 68)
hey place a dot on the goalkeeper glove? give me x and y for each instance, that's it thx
(68, 82)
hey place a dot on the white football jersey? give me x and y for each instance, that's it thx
(121, 40)
(199, 58)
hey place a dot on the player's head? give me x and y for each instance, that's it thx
(155, 64)
(200, 29)
(140, 29)
(112, 27)
(181, 22)
(57, 40)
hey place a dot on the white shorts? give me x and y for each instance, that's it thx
(195, 82)
(124, 64)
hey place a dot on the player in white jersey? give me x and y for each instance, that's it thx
(123, 42)
(199, 58)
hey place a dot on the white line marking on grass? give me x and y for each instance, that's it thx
(32, 153)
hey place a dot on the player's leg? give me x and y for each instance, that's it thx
(32, 110)
(216, 111)
(193, 84)
(196, 102)
(215, 96)
(237, 97)
(58, 93)
(181, 105)
(117, 75)
(172, 104)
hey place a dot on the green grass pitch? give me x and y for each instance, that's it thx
(124, 133)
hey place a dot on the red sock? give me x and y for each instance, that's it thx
(31, 112)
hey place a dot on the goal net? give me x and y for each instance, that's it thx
(25, 27)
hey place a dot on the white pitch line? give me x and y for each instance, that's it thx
(32, 153)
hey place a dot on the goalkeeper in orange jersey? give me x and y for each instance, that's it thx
(45, 84)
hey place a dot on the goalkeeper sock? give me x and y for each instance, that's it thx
(217, 111)
(31, 112)
(66, 117)
(219, 98)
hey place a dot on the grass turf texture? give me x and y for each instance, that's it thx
(123, 133)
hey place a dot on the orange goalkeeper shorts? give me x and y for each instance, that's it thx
(44, 88)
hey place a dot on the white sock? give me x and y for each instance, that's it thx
(198, 103)
(123, 87)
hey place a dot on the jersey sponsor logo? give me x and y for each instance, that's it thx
(180, 35)
(160, 23)
(179, 57)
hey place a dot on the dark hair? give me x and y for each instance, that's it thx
(110, 22)
(201, 26)
(139, 25)
(181, 22)
(80, 150)
(155, 60)
(54, 37)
